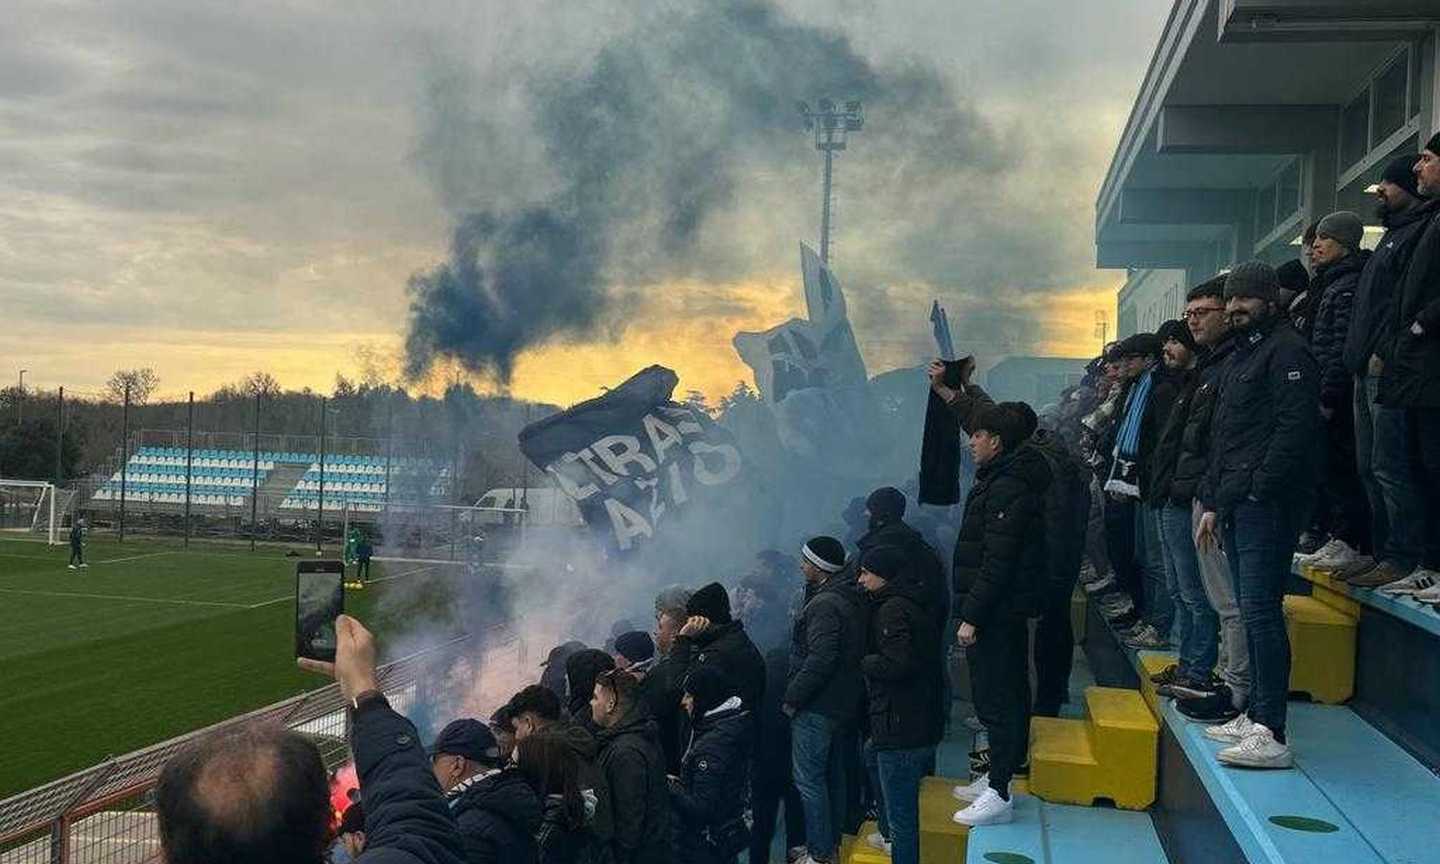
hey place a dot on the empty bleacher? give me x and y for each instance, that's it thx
(228, 479)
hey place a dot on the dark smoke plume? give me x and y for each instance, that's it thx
(687, 117)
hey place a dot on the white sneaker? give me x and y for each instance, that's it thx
(988, 809)
(1340, 556)
(1431, 594)
(876, 840)
(1259, 749)
(1418, 580)
(83, 565)
(1318, 553)
(973, 791)
(71, 566)
(795, 854)
(1231, 732)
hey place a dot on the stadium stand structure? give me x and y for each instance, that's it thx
(156, 475)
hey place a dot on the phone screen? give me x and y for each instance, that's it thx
(319, 598)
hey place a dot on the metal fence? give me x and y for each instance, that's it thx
(106, 814)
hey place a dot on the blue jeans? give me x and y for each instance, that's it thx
(1259, 538)
(815, 747)
(1196, 624)
(1158, 610)
(900, 773)
(1382, 455)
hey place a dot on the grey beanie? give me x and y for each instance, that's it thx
(1253, 279)
(1344, 227)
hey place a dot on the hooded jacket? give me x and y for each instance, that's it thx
(498, 816)
(826, 644)
(728, 645)
(1335, 284)
(1370, 319)
(1266, 426)
(714, 785)
(632, 819)
(1000, 555)
(1411, 378)
(902, 665)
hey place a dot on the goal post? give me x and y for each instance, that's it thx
(27, 508)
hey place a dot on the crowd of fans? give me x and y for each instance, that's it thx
(1298, 405)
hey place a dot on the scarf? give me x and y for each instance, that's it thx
(1125, 471)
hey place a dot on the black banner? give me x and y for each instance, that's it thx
(633, 459)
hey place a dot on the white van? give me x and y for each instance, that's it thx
(544, 506)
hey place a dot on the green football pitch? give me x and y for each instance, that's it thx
(153, 640)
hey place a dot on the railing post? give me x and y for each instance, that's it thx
(60, 839)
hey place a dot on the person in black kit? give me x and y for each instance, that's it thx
(1000, 560)
(632, 819)
(77, 543)
(495, 807)
(710, 794)
(363, 551)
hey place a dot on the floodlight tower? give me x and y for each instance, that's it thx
(832, 125)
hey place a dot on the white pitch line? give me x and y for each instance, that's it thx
(79, 595)
(136, 557)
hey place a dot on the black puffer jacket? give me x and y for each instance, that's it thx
(1000, 555)
(728, 645)
(632, 817)
(1336, 284)
(498, 816)
(1193, 458)
(825, 649)
(1412, 363)
(661, 691)
(921, 559)
(557, 841)
(1066, 513)
(1266, 429)
(714, 785)
(406, 820)
(1370, 320)
(1166, 454)
(902, 667)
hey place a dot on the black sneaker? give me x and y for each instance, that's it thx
(1218, 707)
(1166, 675)
(1186, 688)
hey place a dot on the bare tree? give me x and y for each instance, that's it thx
(262, 383)
(141, 382)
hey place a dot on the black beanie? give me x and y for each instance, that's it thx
(581, 670)
(886, 503)
(1433, 145)
(709, 686)
(1176, 330)
(1253, 279)
(635, 646)
(827, 553)
(1004, 424)
(712, 602)
(887, 562)
(1292, 276)
(1401, 172)
(1026, 415)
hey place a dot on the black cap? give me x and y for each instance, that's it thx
(886, 503)
(560, 653)
(1176, 330)
(470, 738)
(635, 646)
(712, 602)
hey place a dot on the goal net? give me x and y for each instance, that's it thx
(28, 511)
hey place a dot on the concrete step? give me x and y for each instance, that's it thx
(1109, 755)
(1046, 833)
(1322, 649)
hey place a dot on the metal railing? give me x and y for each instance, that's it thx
(106, 813)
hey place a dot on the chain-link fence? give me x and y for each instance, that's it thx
(106, 814)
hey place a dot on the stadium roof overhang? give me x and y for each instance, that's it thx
(1235, 90)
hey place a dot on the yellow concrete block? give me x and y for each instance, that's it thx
(1322, 649)
(1330, 591)
(941, 840)
(1062, 764)
(1152, 662)
(1125, 740)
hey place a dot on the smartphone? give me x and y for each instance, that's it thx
(319, 598)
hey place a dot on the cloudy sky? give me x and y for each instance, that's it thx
(215, 188)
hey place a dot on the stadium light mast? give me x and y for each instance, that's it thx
(832, 126)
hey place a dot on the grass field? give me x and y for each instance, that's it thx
(153, 640)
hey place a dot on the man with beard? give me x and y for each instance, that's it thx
(1382, 448)
(1259, 484)
(1411, 377)
(1338, 263)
